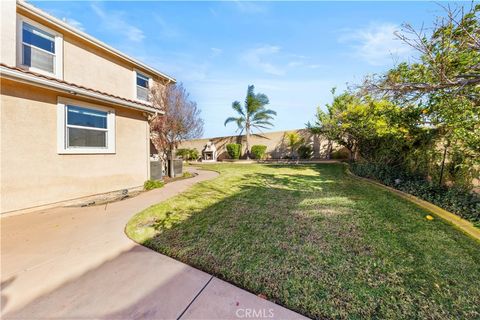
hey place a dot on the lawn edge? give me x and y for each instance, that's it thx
(463, 225)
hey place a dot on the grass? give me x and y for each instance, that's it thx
(318, 242)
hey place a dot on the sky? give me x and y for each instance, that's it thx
(294, 52)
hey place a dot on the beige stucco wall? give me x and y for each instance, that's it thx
(83, 63)
(34, 174)
(8, 31)
(91, 68)
(275, 142)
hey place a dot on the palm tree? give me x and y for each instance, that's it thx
(252, 115)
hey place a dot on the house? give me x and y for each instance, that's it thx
(74, 112)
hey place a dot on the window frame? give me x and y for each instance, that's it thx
(150, 82)
(58, 55)
(62, 127)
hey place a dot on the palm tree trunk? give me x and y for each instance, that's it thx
(247, 136)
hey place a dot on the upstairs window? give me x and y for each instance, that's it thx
(85, 128)
(39, 48)
(142, 85)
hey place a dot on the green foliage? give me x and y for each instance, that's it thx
(293, 140)
(341, 154)
(305, 152)
(153, 184)
(444, 84)
(455, 199)
(187, 174)
(234, 150)
(258, 151)
(188, 154)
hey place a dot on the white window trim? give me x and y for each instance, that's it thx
(150, 84)
(58, 66)
(62, 128)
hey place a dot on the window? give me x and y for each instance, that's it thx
(142, 83)
(85, 128)
(39, 49)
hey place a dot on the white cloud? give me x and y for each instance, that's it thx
(215, 52)
(270, 59)
(74, 23)
(258, 58)
(377, 44)
(115, 21)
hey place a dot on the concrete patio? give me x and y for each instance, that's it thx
(78, 263)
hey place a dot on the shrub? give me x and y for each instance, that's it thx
(234, 150)
(258, 151)
(153, 184)
(455, 199)
(183, 153)
(187, 174)
(305, 152)
(193, 154)
(341, 154)
(188, 154)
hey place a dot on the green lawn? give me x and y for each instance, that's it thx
(313, 239)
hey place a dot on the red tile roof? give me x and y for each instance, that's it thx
(77, 86)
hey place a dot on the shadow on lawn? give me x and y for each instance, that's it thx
(272, 228)
(312, 239)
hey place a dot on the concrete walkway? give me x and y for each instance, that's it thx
(67, 263)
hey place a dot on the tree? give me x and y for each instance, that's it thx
(294, 140)
(253, 115)
(449, 61)
(377, 130)
(180, 121)
(445, 82)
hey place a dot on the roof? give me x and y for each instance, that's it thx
(88, 38)
(41, 80)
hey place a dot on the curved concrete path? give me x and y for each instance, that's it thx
(67, 263)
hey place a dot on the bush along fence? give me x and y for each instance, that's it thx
(456, 199)
(234, 150)
(259, 151)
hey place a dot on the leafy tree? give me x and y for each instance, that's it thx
(180, 119)
(379, 131)
(445, 82)
(252, 115)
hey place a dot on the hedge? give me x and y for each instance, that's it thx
(234, 150)
(458, 200)
(258, 151)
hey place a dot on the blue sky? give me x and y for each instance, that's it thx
(294, 52)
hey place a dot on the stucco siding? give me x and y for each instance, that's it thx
(91, 68)
(86, 64)
(34, 174)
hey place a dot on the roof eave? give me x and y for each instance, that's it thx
(62, 25)
(72, 90)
